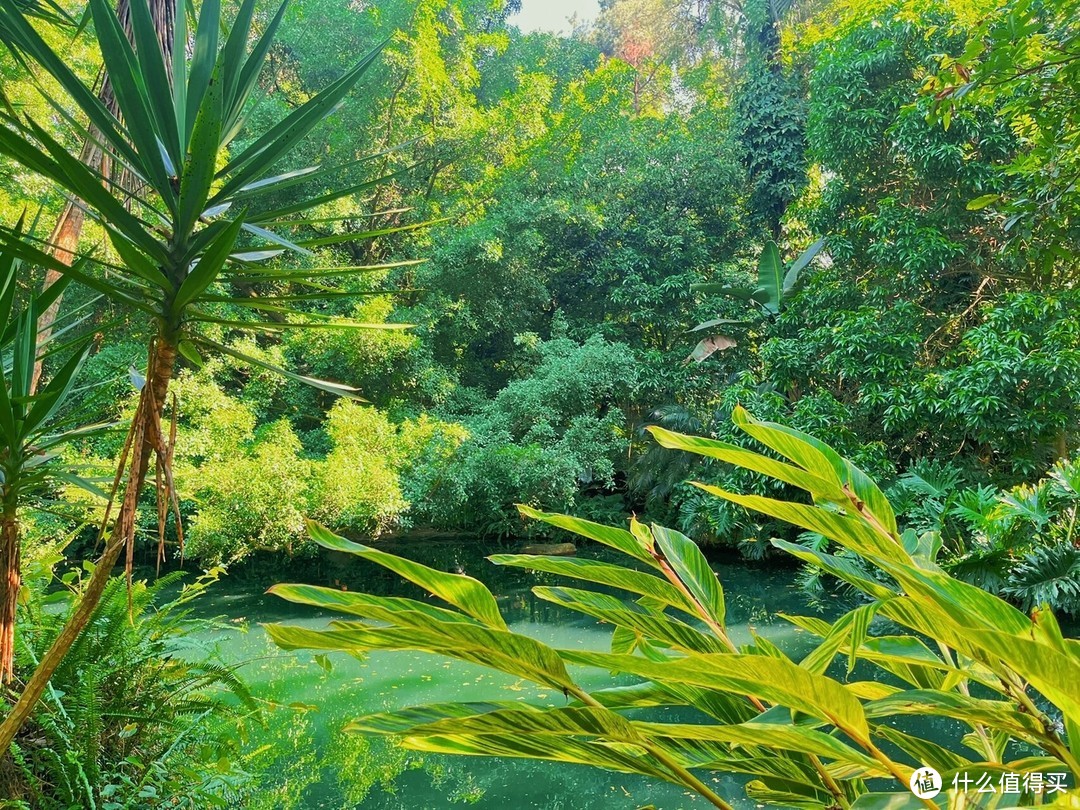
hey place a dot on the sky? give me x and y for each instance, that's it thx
(553, 15)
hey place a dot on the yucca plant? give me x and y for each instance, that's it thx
(30, 432)
(813, 732)
(194, 220)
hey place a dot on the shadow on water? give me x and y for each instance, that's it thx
(347, 771)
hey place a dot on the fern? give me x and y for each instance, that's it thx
(128, 718)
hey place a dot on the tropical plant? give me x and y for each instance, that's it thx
(178, 235)
(1022, 543)
(775, 284)
(813, 732)
(30, 432)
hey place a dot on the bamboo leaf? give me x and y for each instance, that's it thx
(993, 713)
(627, 759)
(840, 567)
(400, 721)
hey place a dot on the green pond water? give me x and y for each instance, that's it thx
(333, 770)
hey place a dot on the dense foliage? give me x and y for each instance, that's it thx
(398, 267)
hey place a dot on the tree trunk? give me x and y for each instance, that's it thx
(146, 425)
(10, 550)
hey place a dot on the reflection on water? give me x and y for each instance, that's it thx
(353, 772)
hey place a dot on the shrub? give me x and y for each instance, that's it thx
(542, 439)
(128, 721)
(356, 488)
(253, 501)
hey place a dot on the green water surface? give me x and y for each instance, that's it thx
(328, 769)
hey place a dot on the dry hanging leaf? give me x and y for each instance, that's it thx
(709, 346)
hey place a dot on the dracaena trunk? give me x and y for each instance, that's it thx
(146, 425)
(10, 550)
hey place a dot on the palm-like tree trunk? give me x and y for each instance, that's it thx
(10, 551)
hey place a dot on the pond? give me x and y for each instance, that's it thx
(333, 770)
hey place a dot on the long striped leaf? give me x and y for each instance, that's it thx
(618, 539)
(27, 40)
(650, 623)
(499, 649)
(820, 459)
(786, 737)
(571, 721)
(390, 609)
(71, 174)
(824, 488)
(993, 713)
(601, 573)
(461, 591)
(770, 679)
(689, 564)
(625, 759)
(850, 532)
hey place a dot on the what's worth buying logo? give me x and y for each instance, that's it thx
(925, 783)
